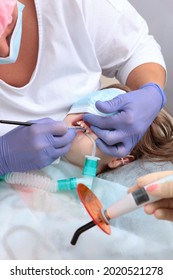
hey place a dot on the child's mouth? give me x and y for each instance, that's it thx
(83, 125)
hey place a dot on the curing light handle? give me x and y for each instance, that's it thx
(134, 200)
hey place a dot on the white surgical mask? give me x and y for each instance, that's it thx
(15, 39)
(86, 104)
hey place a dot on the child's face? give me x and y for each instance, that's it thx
(82, 145)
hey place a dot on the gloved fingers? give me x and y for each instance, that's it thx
(55, 153)
(33, 147)
(63, 151)
(42, 126)
(112, 137)
(49, 154)
(117, 121)
(58, 128)
(118, 150)
(99, 121)
(112, 105)
(61, 141)
(54, 127)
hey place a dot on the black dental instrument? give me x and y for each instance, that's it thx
(79, 128)
(81, 230)
(16, 122)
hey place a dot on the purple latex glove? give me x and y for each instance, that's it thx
(33, 147)
(134, 112)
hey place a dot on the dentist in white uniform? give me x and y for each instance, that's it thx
(53, 52)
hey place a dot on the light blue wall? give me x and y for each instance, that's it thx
(159, 16)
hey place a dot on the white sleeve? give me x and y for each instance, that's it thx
(120, 37)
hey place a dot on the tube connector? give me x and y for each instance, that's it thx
(90, 170)
(90, 166)
(67, 184)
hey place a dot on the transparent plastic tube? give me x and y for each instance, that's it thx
(93, 153)
(31, 180)
(28, 179)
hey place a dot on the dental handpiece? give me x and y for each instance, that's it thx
(127, 204)
(133, 201)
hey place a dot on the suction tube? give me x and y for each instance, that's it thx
(28, 179)
(93, 153)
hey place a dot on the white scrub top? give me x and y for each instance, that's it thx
(78, 41)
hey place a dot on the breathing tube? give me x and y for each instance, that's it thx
(29, 179)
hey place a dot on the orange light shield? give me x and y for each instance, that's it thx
(93, 206)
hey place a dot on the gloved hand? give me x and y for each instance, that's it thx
(33, 147)
(162, 209)
(134, 112)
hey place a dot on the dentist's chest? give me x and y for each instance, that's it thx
(57, 57)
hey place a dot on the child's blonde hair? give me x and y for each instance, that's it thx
(157, 143)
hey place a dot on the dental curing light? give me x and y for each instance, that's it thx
(101, 216)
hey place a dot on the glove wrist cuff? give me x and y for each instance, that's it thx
(160, 90)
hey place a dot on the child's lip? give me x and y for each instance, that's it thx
(77, 118)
